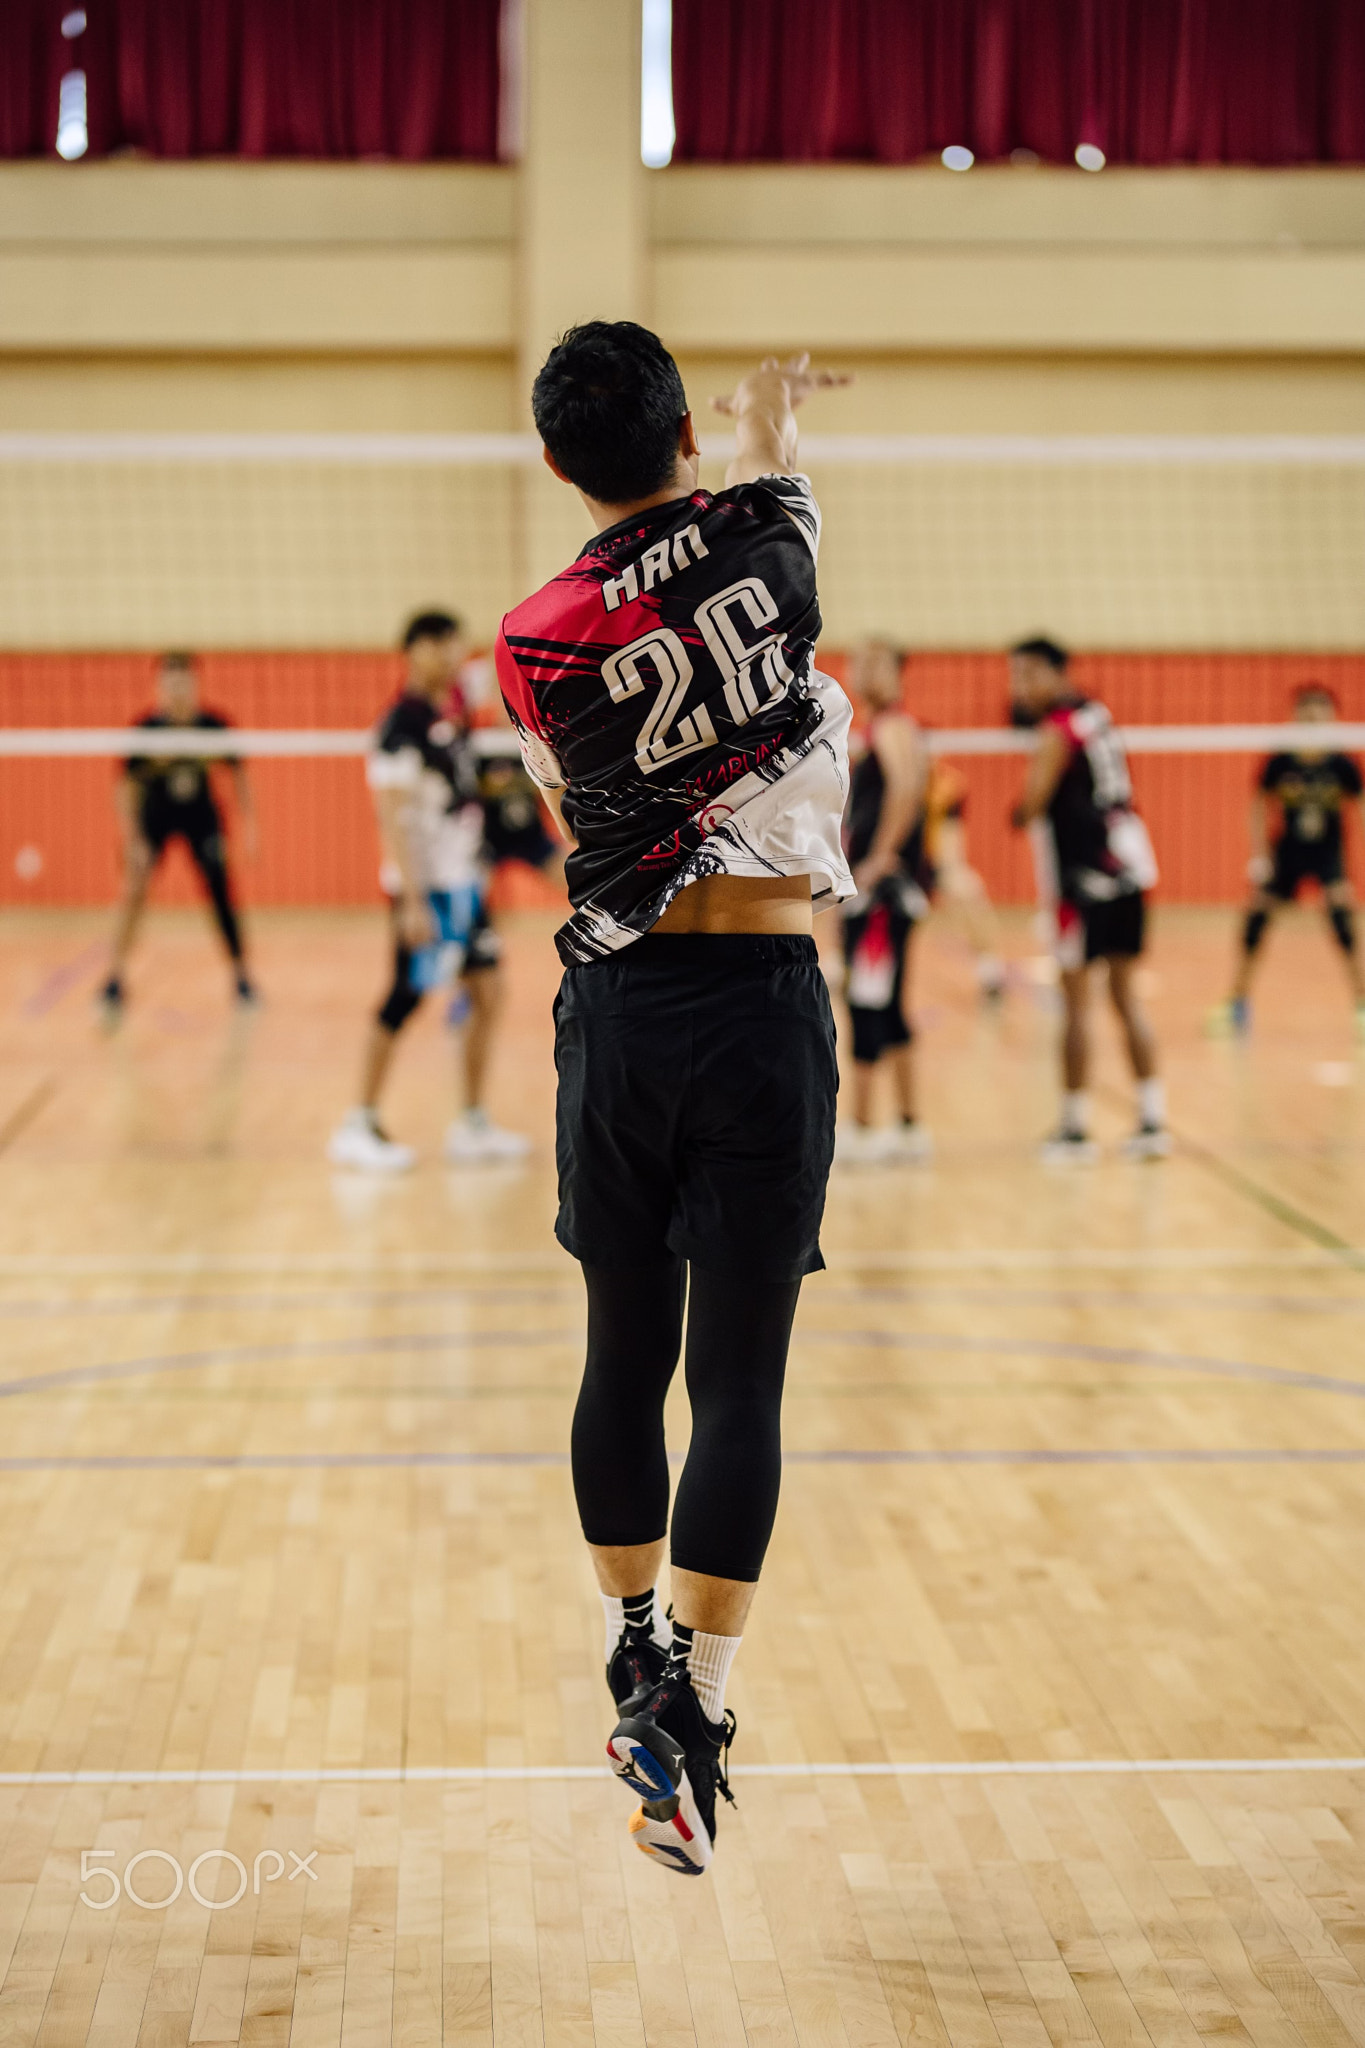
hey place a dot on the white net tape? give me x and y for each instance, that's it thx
(39, 743)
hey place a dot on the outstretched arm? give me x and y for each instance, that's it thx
(764, 412)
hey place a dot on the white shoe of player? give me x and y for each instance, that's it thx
(473, 1140)
(672, 1832)
(358, 1141)
(861, 1145)
(1149, 1141)
(912, 1143)
(1069, 1148)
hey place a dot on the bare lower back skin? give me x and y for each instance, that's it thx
(740, 903)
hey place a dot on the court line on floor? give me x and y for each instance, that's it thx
(1274, 1205)
(1340, 1249)
(242, 1354)
(55, 984)
(890, 1340)
(535, 1774)
(291, 1461)
(494, 1291)
(32, 1104)
(1091, 1354)
(1023, 1258)
(328, 1297)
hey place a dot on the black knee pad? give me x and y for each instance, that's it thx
(1253, 931)
(399, 1004)
(1343, 919)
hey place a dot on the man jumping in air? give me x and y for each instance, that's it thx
(667, 704)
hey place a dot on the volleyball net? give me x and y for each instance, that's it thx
(1200, 579)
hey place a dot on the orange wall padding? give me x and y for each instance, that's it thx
(317, 835)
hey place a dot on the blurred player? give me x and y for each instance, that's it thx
(664, 690)
(884, 840)
(513, 822)
(958, 887)
(165, 797)
(1311, 790)
(425, 784)
(1094, 862)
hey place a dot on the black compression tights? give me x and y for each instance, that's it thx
(737, 1335)
(213, 868)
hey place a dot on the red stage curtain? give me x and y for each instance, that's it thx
(1150, 81)
(411, 79)
(30, 66)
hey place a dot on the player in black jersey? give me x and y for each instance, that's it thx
(1311, 790)
(665, 692)
(1095, 864)
(161, 797)
(884, 839)
(513, 823)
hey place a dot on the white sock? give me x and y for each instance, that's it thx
(1152, 1102)
(708, 1665)
(614, 1615)
(1075, 1112)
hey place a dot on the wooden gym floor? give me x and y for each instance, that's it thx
(289, 1570)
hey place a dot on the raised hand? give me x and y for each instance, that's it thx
(785, 382)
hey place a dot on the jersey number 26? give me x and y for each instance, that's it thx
(724, 622)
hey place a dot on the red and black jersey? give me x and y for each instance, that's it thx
(1099, 846)
(664, 682)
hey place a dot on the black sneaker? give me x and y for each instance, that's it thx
(637, 1664)
(665, 1749)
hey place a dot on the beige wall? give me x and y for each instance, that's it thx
(157, 297)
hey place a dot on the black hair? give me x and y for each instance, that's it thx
(1303, 690)
(429, 626)
(608, 404)
(1043, 649)
(176, 657)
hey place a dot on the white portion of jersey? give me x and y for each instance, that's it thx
(796, 495)
(444, 844)
(540, 760)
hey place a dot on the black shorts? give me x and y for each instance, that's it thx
(1115, 929)
(1297, 861)
(484, 950)
(881, 929)
(697, 1081)
(199, 825)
